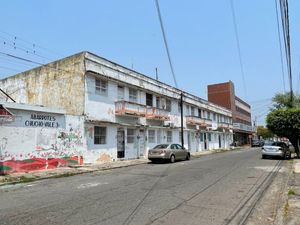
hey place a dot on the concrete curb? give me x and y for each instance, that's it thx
(72, 171)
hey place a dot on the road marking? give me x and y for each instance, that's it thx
(90, 185)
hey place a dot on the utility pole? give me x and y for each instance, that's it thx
(181, 118)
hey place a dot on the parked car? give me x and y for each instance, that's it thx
(276, 148)
(257, 143)
(168, 152)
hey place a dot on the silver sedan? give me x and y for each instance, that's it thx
(170, 152)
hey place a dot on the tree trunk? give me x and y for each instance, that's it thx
(295, 143)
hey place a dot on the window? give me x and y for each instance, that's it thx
(157, 102)
(168, 105)
(208, 115)
(173, 146)
(179, 107)
(187, 107)
(169, 136)
(201, 137)
(192, 111)
(214, 117)
(132, 95)
(149, 99)
(199, 113)
(209, 136)
(130, 136)
(151, 136)
(99, 135)
(158, 136)
(120, 93)
(100, 86)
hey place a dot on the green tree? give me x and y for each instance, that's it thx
(286, 123)
(281, 101)
(264, 132)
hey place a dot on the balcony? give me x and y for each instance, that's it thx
(125, 108)
(157, 114)
(243, 127)
(224, 125)
(194, 120)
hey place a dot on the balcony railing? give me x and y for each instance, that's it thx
(224, 125)
(243, 127)
(157, 114)
(194, 120)
(130, 109)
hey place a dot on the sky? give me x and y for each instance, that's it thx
(200, 34)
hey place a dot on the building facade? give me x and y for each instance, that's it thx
(223, 94)
(123, 113)
(36, 137)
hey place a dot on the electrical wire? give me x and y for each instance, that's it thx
(280, 46)
(238, 47)
(165, 41)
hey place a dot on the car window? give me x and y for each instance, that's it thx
(161, 146)
(269, 143)
(179, 146)
(173, 146)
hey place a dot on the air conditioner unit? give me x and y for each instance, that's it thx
(168, 124)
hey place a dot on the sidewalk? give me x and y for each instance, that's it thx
(292, 206)
(70, 171)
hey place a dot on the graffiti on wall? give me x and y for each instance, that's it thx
(54, 148)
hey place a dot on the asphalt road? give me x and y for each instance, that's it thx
(214, 189)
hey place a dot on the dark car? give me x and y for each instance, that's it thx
(257, 143)
(276, 148)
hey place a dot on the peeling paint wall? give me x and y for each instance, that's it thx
(59, 84)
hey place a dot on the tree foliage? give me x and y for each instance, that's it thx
(264, 132)
(285, 122)
(281, 101)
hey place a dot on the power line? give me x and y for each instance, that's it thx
(286, 34)
(166, 43)
(34, 45)
(280, 46)
(238, 47)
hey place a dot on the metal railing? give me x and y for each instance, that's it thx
(130, 108)
(194, 120)
(156, 113)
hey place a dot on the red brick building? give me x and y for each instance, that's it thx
(223, 94)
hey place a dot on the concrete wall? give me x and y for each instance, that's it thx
(59, 84)
(29, 143)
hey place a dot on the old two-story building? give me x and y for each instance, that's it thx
(124, 113)
(223, 94)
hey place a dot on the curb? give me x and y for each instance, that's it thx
(72, 171)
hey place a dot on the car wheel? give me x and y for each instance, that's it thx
(172, 158)
(188, 156)
(287, 155)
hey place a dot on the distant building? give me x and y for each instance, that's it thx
(223, 94)
(123, 112)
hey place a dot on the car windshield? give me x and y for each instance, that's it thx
(161, 146)
(269, 143)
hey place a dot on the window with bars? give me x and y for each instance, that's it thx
(130, 136)
(133, 95)
(151, 136)
(99, 135)
(169, 136)
(101, 86)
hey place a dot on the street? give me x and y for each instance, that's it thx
(215, 189)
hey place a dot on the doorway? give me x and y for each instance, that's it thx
(205, 141)
(120, 143)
